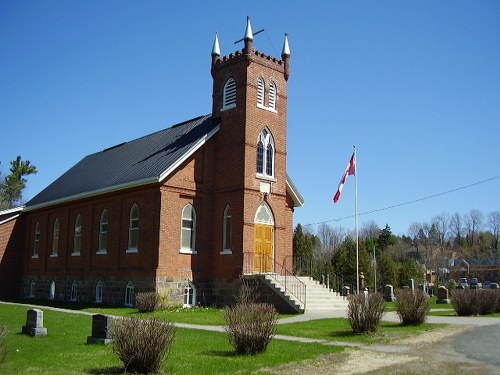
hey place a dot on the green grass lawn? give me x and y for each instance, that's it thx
(339, 330)
(64, 350)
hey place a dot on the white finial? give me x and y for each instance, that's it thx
(286, 47)
(248, 31)
(216, 47)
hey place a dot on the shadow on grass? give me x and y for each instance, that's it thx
(346, 333)
(106, 370)
(222, 353)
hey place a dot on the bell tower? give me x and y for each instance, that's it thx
(250, 102)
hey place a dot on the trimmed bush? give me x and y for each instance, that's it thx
(147, 302)
(465, 302)
(468, 302)
(411, 306)
(250, 325)
(142, 344)
(365, 311)
(3, 349)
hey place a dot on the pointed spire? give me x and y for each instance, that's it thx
(248, 31)
(216, 46)
(285, 56)
(286, 47)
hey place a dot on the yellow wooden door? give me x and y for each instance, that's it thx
(263, 249)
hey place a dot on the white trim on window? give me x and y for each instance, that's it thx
(261, 87)
(98, 291)
(103, 233)
(133, 230)
(189, 295)
(74, 291)
(188, 230)
(77, 236)
(129, 294)
(227, 231)
(265, 155)
(55, 239)
(272, 97)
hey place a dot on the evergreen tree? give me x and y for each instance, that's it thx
(11, 189)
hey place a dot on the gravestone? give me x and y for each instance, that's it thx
(101, 329)
(389, 293)
(411, 284)
(346, 291)
(34, 324)
(442, 297)
(361, 281)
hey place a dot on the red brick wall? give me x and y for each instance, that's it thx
(11, 256)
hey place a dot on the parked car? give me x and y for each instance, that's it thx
(494, 286)
(474, 284)
(462, 283)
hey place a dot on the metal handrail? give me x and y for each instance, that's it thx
(323, 272)
(263, 264)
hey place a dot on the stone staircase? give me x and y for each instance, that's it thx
(319, 298)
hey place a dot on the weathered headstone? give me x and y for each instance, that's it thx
(101, 329)
(411, 284)
(346, 291)
(34, 324)
(389, 293)
(442, 297)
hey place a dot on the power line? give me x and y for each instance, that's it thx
(406, 203)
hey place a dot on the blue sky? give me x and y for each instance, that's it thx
(415, 85)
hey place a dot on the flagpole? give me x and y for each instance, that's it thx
(356, 219)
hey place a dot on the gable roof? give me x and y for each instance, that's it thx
(146, 160)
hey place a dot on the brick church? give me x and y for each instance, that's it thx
(186, 211)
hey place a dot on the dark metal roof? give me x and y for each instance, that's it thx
(148, 159)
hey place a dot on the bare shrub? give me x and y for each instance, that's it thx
(142, 344)
(3, 349)
(147, 302)
(465, 302)
(412, 306)
(365, 311)
(250, 325)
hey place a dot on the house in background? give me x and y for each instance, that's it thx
(185, 211)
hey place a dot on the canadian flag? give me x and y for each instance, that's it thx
(350, 170)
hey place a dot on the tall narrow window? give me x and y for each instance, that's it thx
(189, 295)
(229, 94)
(227, 229)
(36, 241)
(129, 294)
(32, 289)
(133, 229)
(272, 96)
(188, 231)
(265, 154)
(52, 290)
(103, 232)
(74, 291)
(260, 92)
(55, 239)
(77, 237)
(98, 291)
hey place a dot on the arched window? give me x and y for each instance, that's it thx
(133, 229)
(52, 290)
(260, 92)
(265, 154)
(74, 291)
(55, 239)
(103, 232)
(227, 230)
(32, 289)
(189, 295)
(229, 94)
(129, 294)
(272, 96)
(188, 231)
(77, 237)
(98, 291)
(36, 241)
